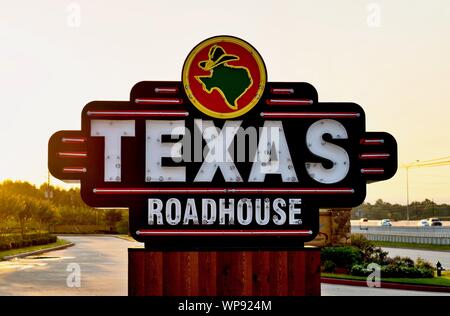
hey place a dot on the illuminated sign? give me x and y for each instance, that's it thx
(223, 158)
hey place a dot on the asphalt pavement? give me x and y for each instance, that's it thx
(102, 262)
(346, 290)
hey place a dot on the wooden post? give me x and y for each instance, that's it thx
(224, 273)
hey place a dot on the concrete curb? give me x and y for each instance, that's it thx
(125, 238)
(37, 252)
(389, 285)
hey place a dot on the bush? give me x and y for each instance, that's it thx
(342, 257)
(328, 266)
(423, 264)
(359, 270)
(398, 267)
(370, 253)
(122, 226)
(14, 241)
(361, 242)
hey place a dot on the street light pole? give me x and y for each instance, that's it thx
(407, 193)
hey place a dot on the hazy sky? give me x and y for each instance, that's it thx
(395, 64)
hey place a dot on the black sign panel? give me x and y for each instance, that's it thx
(279, 163)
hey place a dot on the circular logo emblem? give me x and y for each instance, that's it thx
(224, 77)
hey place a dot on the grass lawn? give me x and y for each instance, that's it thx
(440, 281)
(412, 246)
(17, 251)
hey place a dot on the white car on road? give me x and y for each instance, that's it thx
(385, 222)
(423, 223)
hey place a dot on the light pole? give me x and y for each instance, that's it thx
(407, 166)
(407, 193)
(48, 193)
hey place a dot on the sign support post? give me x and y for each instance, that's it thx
(224, 273)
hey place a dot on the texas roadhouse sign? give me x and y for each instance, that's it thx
(222, 159)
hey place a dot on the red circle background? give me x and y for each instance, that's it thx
(214, 100)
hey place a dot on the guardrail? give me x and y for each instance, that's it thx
(420, 235)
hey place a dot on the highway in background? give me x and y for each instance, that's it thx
(403, 231)
(412, 223)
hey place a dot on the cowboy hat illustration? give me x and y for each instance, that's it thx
(230, 81)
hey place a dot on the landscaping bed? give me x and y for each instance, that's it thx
(434, 281)
(29, 239)
(14, 252)
(356, 262)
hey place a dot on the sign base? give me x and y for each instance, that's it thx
(224, 273)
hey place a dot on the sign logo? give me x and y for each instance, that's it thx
(205, 180)
(224, 77)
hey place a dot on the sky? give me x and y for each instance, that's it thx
(391, 57)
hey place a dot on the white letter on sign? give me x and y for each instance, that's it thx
(154, 209)
(207, 218)
(112, 131)
(321, 148)
(273, 156)
(169, 218)
(218, 155)
(156, 149)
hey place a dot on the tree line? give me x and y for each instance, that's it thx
(417, 210)
(25, 207)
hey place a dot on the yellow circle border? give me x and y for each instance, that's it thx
(250, 49)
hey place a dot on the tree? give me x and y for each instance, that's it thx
(44, 214)
(8, 204)
(24, 213)
(111, 218)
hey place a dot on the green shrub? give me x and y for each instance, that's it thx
(14, 241)
(359, 270)
(423, 264)
(328, 266)
(361, 242)
(342, 256)
(398, 267)
(370, 253)
(400, 261)
(122, 226)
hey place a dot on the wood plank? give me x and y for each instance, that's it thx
(312, 274)
(242, 273)
(296, 273)
(279, 273)
(172, 274)
(153, 271)
(136, 274)
(261, 273)
(224, 273)
(207, 265)
(189, 273)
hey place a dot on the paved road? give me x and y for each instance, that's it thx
(102, 260)
(346, 290)
(432, 256)
(412, 223)
(103, 264)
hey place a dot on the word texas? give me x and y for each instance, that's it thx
(267, 150)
